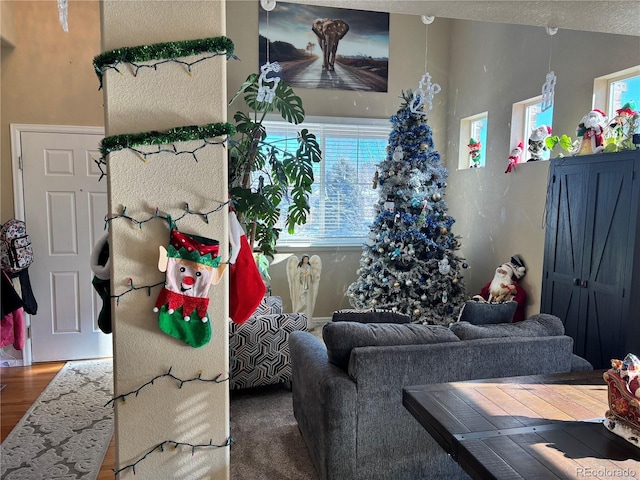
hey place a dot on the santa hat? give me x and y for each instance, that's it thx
(540, 133)
(516, 266)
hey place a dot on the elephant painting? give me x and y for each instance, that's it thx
(329, 33)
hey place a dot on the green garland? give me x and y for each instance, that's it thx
(177, 134)
(161, 51)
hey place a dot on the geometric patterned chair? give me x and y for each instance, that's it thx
(259, 348)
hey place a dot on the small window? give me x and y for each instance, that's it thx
(621, 92)
(611, 92)
(473, 141)
(527, 116)
(534, 118)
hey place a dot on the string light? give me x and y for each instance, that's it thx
(206, 133)
(181, 382)
(175, 445)
(133, 288)
(168, 218)
(163, 52)
(167, 137)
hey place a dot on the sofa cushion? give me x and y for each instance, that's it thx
(369, 316)
(540, 325)
(483, 313)
(341, 337)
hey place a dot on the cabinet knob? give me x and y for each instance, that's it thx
(585, 284)
(576, 282)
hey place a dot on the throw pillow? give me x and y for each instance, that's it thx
(540, 325)
(341, 337)
(370, 316)
(483, 313)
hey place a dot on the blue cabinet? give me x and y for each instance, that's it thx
(591, 260)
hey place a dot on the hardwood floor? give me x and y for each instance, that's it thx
(23, 386)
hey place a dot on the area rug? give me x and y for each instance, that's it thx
(66, 432)
(268, 444)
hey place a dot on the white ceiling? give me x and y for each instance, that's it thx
(592, 16)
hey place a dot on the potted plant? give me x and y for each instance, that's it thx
(263, 174)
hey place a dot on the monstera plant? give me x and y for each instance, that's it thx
(267, 180)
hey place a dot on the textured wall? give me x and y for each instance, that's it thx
(157, 100)
(497, 214)
(47, 76)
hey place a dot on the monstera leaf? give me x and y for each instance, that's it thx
(263, 174)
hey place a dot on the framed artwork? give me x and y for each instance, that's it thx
(323, 47)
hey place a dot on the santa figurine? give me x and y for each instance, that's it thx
(537, 142)
(590, 132)
(505, 287)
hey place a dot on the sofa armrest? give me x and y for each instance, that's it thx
(324, 399)
(579, 364)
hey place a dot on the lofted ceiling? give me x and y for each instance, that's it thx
(592, 16)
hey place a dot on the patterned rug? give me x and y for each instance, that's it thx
(66, 432)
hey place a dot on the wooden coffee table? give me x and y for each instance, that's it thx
(536, 427)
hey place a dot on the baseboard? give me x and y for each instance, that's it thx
(318, 322)
(11, 363)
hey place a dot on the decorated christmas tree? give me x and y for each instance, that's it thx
(409, 263)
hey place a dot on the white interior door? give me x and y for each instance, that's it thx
(64, 207)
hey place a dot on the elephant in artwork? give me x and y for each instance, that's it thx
(329, 33)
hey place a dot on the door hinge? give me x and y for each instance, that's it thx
(20, 163)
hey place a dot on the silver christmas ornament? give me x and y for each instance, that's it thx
(436, 197)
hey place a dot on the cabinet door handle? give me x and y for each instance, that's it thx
(585, 284)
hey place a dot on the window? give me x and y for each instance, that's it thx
(342, 199)
(622, 91)
(473, 141)
(611, 92)
(534, 117)
(526, 116)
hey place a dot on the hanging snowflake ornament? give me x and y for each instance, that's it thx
(424, 94)
(267, 85)
(63, 14)
(548, 91)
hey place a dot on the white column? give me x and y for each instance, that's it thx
(160, 99)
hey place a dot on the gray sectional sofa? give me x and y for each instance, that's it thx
(347, 396)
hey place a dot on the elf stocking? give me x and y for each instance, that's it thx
(192, 265)
(246, 287)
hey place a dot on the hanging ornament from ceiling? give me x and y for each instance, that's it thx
(63, 14)
(549, 86)
(422, 100)
(267, 84)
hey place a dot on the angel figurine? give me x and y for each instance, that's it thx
(304, 278)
